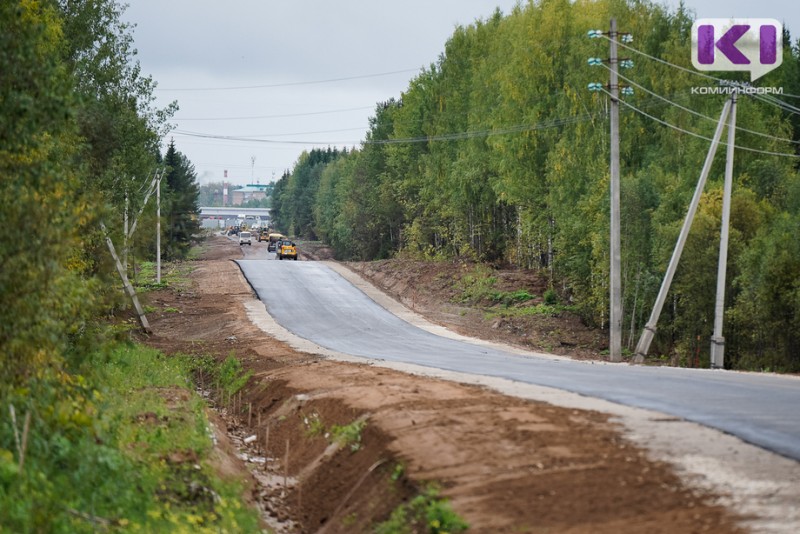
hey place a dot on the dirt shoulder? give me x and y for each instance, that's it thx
(507, 464)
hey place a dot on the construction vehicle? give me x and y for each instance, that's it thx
(273, 242)
(287, 249)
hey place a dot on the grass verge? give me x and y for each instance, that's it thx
(123, 447)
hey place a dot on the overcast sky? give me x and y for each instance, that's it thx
(306, 73)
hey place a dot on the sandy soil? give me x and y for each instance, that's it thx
(507, 464)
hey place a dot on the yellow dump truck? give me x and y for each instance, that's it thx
(287, 249)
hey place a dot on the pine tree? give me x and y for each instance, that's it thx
(179, 204)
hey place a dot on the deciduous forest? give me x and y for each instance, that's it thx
(498, 153)
(79, 143)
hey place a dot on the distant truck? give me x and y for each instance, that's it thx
(273, 242)
(245, 238)
(287, 249)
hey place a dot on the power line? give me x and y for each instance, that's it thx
(700, 136)
(271, 141)
(553, 123)
(290, 84)
(767, 99)
(455, 136)
(785, 106)
(782, 139)
(665, 62)
(253, 136)
(286, 116)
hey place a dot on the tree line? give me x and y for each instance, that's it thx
(79, 143)
(498, 153)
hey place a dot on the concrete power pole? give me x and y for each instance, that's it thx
(125, 235)
(615, 323)
(717, 340)
(158, 229)
(650, 328)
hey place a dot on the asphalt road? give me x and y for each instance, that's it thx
(314, 302)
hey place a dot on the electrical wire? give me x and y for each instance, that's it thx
(699, 136)
(767, 99)
(287, 116)
(665, 62)
(270, 141)
(253, 136)
(289, 84)
(693, 112)
(456, 136)
(785, 106)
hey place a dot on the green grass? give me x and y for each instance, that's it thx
(345, 435)
(348, 435)
(124, 448)
(173, 274)
(424, 513)
(314, 425)
(196, 251)
(478, 287)
(539, 310)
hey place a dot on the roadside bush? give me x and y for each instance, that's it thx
(426, 513)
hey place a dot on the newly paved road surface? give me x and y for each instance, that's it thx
(314, 302)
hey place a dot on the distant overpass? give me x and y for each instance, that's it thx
(233, 212)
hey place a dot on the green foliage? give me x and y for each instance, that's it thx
(228, 375)
(173, 275)
(541, 310)
(128, 455)
(294, 194)
(497, 153)
(47, 305)
(314, 425)
(477, 285)
(348, 435)
(77, 132)
(426, 513)
(766, 318)
(398, 472)
(550, 297)
(344, 435)
(509, 298)
(179, 205)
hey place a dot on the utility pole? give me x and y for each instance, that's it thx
(125, 235)
(158, 229)
(615, 268)
(615, 324)
(717, 340)
(650, 328)
(126, 283)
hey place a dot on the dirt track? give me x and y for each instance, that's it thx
(506, 464)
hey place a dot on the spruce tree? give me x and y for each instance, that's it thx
(179, 208)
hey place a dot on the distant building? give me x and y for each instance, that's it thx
(247, 193)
